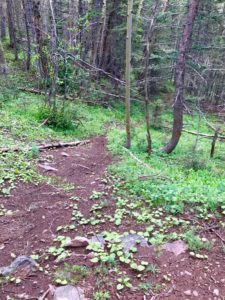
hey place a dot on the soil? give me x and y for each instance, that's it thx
(38, 209)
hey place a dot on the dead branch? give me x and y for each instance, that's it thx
(33, 91)
(164, 294)
(208, 136)
(137, 159)
(50, 291)
(47, 146)
(217, 131)
(218, 235)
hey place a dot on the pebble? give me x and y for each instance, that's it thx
(188, 293)
(195, 293)
(216, 292)
(187, 273)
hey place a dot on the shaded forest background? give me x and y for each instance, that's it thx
(77, 49)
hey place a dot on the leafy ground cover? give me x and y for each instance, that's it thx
(161, 198)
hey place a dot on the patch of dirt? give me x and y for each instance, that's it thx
(38, 209)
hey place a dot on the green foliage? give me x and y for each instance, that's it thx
(195, 243)
(157, 108)
(169, 87)
(180, 180)
(145, 286)
(70, 274)
(196, 164)
(8, 87)
(101, 295)
(60, 116)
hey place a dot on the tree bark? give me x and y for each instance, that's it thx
(54, 59)
(128, 73)
(180, 75)
(11, 26)
(28, 62)
(43, 61)
(2, 24)
(149, 44)
(3, 68)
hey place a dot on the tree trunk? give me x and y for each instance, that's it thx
(2, 24)
(103, 31)
(11, 25)
(128, 73)
(3, 68)
(54, 59)
(28, 36)
(43, 61)
(180, 75)
(149, 44)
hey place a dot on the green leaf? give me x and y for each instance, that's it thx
(95, 260)
(141, 268)
(119, 287)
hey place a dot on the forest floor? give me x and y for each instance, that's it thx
(154, 225)
(37, 216)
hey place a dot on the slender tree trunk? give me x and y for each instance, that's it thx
(180, 75)
(103, 31)
(52, 92)
(28, 62)
(149, 44)
(11, 25)
(3, 68)
(128, 73)
(2, 24)
(43, 61)
(140, 7)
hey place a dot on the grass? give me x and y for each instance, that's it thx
(184, 177)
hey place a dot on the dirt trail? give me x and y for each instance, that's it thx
(38, 209)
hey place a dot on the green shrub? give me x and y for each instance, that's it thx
(60, 116)
(196, 164)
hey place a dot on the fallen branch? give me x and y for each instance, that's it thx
(137, 159)
(204, 135)
(47, 146)
(208, 136)
(218, 235)
(67, 97)
(50, 291)
(217, 131)
(164, 294)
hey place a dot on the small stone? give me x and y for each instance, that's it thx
(77, 242)
(98, 238)
(187, 273)
(131, 240)
(64, 154)
(21, 262)
(216, 292)
(195, 293)
(188, 293)
(91, 255)
(47, 167)
(68, 292)
(177, 247)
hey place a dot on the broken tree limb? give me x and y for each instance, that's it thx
(137, 159)
(208, 136)
(40, 92)
(47, 146)
(214, 142)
